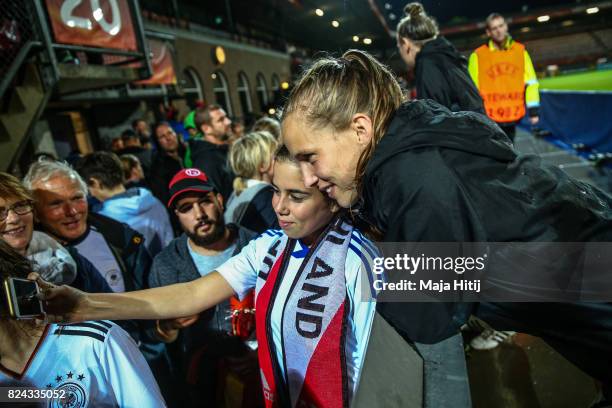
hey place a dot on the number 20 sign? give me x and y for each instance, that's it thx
(95, 23)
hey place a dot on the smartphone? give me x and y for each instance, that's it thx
(23, 302)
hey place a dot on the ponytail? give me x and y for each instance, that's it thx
(239, 185)
(333, 90)
(417, 25)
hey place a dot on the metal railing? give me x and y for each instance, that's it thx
(17, 38)
(24, 26)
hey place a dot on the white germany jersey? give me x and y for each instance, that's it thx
(96, 364)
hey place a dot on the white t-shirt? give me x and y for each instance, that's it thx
(95, 248)
(96, 364)
(241, 273)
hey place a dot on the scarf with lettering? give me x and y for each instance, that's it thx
(313, 325)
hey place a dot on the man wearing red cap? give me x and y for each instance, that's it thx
(206, 243)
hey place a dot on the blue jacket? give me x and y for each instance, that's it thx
(144, 213)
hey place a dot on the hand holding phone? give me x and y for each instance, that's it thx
(22, 298)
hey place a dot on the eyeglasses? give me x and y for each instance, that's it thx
(19, 208)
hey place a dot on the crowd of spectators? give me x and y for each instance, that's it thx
(124, 220)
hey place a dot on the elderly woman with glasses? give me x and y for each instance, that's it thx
(51, 259)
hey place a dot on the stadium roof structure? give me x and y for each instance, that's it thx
(334, 25)
(306, 27)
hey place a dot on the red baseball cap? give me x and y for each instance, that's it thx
(189, 180)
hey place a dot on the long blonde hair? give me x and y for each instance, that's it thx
(248, 155)
(332, 90)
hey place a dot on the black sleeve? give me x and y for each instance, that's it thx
(158, 181)
(431, 83)
(452, 87)
(259, 215)
(465, 91)
(140, 263)
(141, 266)
(424, 203)
(266, 209)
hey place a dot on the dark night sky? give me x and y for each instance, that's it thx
(299, 24)
(445, 10)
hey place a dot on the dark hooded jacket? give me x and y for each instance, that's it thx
(163, 169)
(212, 160)
(438, 176)
(441, 74)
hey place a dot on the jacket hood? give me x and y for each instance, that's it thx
(132, 202)
(426, 124)
(441, 47)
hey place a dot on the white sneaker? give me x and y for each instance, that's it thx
(489, 339)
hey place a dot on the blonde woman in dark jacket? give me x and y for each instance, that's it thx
(250, 205)
(421, 173)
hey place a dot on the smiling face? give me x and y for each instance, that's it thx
(328, 159)
(61, 206)
(16, 230)
(302, 211)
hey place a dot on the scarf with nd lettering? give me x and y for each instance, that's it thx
(314, 322)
